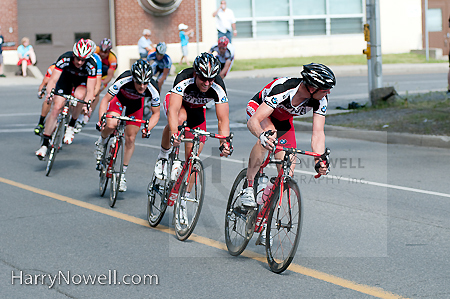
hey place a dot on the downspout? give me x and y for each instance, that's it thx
(112, 23)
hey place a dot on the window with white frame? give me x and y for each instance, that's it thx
(289, 18)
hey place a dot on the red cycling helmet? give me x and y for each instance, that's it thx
(223, 41)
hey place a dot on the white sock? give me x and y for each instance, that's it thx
(164, 153)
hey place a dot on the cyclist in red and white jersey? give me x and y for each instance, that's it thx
(128, 91)
(274, 107)
(75, 73)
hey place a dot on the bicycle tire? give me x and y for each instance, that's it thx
(116, 173)
(56, 144)
(103, 177)
(157, 201)
(193, 206)
(284, 227)
(239, 222)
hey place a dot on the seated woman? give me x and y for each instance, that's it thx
(26, 55)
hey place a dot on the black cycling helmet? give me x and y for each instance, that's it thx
(207, 65)
(141, 72)
(318, 75)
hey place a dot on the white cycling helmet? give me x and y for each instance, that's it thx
(83, 49)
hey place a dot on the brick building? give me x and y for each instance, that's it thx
(266, 28)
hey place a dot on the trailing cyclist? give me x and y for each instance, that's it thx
(45, 104)
(225, 53)
(192, 89)
(161, 63)
(272, 110)
(75, 73)
(128, 91)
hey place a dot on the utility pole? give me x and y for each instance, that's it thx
(373, 37)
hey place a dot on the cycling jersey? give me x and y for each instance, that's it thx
(158, 66)
(49, 72)
(99, 63)
(278, 95)
(194, 100)
(72, 76)
(185, 86)
(110, 62)
(229, 53)
(125, 94)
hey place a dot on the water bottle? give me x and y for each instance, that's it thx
(266, 193)
(262, 183)
(176, 169)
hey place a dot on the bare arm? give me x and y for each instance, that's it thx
(154, 118)
(223, 113)
(254, 123)
(163, 78)
(52, 82)
(104, 105)
(318, 134)
(108, 78)
(175, 102)
(226, 66)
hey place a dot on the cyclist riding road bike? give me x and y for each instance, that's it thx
(75, 73)
(128, 91)
(161, 63)
(272, 110)
(192, 89)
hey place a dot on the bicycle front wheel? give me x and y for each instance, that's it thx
(189, 204)
(157, 202)
(284, 226)
(239, 222)
(55, 145)
(116, 172)
(103, 176)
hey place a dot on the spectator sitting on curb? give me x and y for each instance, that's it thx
(184, 38)
(26, 55)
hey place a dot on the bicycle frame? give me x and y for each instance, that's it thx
(283, 174)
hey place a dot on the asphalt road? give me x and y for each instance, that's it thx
(377, 226)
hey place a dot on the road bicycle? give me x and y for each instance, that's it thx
(111, 166)
(279, 217)
(61, 125)
(173, 188)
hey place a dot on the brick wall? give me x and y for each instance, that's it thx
(8, 18)
(131, 19)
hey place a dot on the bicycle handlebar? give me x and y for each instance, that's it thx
(70, 98)
(145, 131)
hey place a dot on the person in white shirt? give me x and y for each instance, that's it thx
(145, 44)
(225, 21)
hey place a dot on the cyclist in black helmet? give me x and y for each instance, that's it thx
(274, 107)
(128, 91)
(192, 89)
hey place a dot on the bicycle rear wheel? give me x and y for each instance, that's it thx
(157, 202)
(116, 172)
(284, 226)
(55, 145)
(192, 204)
(239, 222)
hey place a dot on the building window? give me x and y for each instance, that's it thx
(434, 20)
(44, 39)
(80, 35)
(281, 18)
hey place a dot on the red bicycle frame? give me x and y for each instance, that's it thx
(261, 218)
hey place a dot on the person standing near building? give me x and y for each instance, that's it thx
(225, 21)
(145, 45)
(1, 55)
(184, 39)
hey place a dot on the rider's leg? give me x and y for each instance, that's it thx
(130, 137)
(58, 104)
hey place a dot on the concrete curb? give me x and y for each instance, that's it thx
(378, 136)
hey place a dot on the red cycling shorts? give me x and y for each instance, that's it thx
(285, 128)
(116, 106)
(196, 117)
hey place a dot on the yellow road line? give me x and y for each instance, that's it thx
(365, 289)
